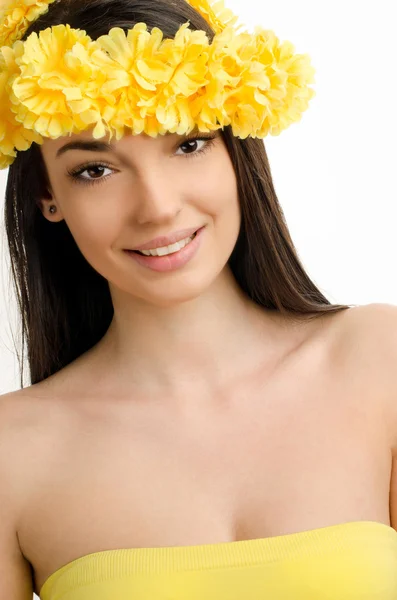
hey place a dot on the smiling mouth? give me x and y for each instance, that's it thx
(174, 252)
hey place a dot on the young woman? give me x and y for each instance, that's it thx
(201, 422)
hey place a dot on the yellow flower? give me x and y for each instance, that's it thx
(16, 17)
(257, 85)
(216, 14)
(56, 89)
(133, 67)
(13, 134)
(152, 77)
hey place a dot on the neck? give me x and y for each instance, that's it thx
(192, 348)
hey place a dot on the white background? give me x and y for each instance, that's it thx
(335, 171)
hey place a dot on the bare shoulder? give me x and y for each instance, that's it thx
(18, 409)
(10, 413)
(24, 442)
(24, 418)
(368, 347)
(17, 579)
(374, 318)
(370, 332)
(15, 420)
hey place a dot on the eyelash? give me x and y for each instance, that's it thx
(75, 174)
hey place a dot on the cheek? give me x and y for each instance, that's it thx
(228, 215)
(224, 196)
(219, 185)
(223, 207)
(93, 228)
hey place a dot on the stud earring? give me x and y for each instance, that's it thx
(53, 209)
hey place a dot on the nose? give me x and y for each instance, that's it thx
(157, 200)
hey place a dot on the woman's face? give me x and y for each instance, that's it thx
(118, 198)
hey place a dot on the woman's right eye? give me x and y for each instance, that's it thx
(76, 174)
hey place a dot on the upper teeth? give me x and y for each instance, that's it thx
(168, 249)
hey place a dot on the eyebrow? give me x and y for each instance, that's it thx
(97, 146)
(93, 146)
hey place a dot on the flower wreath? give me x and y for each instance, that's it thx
(60, 81)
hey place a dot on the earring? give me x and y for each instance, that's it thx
(53, 209)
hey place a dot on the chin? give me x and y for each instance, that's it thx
(176, 291)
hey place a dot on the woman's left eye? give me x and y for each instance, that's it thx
(76, 175)
(207, 144)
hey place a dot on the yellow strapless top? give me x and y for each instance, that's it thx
(350, 561)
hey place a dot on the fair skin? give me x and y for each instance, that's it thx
(173, 328)
(306, 443)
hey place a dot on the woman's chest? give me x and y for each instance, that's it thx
(298, 455)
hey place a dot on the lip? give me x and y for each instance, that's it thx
(172, 262)
(167, 240)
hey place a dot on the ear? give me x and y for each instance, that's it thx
(45, 205)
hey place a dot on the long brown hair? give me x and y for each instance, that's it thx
(65, 305)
